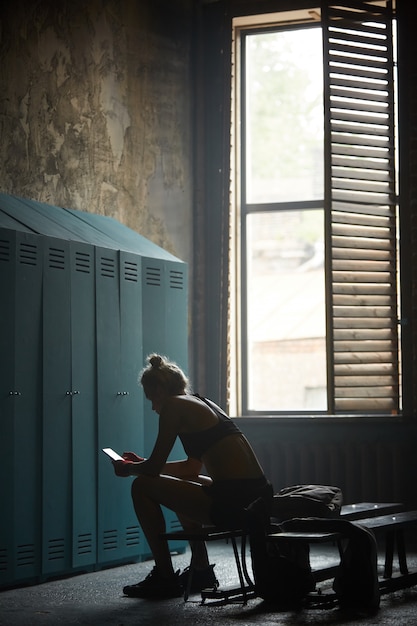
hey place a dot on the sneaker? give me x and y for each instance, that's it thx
(155, 586)
(200, 579)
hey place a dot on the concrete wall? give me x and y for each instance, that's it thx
(95, 110)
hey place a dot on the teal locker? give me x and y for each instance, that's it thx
(131, 350)
(118, 310)
(176, 344)
(7, 401)
(20, 405)
(28, 411)
(57, 409)
(78, 320)
(131, 345)
(154, 333)
(83, 405)
(164, 332)
(176, 312)
(164, 327)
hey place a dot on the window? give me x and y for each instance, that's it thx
(313, 167)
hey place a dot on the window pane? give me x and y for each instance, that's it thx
(284, 116)
(286, 311)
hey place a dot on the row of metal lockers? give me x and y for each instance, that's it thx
(77, 322)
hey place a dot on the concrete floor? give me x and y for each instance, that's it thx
(97, 599)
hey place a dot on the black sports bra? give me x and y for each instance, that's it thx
(198, 442)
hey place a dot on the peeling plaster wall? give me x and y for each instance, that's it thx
(95, 110)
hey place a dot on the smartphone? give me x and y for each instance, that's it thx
(112, 454)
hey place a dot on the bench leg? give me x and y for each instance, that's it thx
(243, 591)
(189, 581)
(243, 561)
(389, 554)
(402, 557)
(239, 569)
(392, 538)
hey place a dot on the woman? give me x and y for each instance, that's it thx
(210, 439)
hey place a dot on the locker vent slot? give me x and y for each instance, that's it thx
(110, 540)
(56, 258)
(28, 254)
(25, 555)
(4, 250)
(131, 271)
(153, 276)
(176, 279)
(56, 549)
(3, 560)
(107, 267)
(83, 262)
(84, 544)
(175, 525)
(132, 536)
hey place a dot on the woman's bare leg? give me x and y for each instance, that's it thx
(185, 497)
(199, 555)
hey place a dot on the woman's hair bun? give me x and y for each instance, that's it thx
(161, 372)
(155, 360)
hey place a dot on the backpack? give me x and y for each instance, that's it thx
(282, 576)
(307, 501)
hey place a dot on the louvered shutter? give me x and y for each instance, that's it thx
(360, 208)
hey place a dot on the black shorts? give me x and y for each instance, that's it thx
(231, 497)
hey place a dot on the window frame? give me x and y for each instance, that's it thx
(241, 26)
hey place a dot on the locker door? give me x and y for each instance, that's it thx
(7, 401)
(165, 322)
(20, 405)
(176, 346)
(57, 387)
(154, 334)
(28, 407)
(118, 421)
(163, 333)
(176, 312)
(131, 364)
(83, 400)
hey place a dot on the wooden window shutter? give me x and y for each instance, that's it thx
(360, 201)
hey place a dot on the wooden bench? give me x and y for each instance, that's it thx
(245, 589)
(351, 512)
(392, 526)
(362, 510)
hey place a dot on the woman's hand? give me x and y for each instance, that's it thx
(123, 468)
(132, 456)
